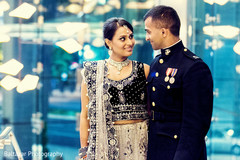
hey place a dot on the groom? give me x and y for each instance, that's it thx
(180, 88)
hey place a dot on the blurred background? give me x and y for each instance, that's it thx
(43, 44)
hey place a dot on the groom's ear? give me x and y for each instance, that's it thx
(164, 32)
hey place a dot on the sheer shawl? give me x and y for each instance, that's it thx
(103, 144)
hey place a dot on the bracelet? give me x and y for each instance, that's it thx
(83, 152)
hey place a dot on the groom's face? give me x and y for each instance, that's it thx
(154, 34)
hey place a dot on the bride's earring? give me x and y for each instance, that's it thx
(110, 51)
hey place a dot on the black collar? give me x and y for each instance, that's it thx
(172, 49)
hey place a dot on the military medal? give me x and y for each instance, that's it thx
(172, 79)
(166, 79)
(168, 72)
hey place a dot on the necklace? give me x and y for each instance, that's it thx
(119, 65)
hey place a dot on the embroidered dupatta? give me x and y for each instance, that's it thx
(102, 139)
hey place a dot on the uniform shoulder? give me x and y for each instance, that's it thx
(187, 53)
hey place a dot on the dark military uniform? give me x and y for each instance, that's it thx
(180, 90)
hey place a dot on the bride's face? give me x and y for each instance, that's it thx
(122, 42)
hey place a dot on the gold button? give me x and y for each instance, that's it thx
(161, 61)
(168, 87)
(175, 136)
(153, 104)
(153, 88)
(156, 74)
(185, 49)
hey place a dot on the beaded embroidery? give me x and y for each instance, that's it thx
(90, 76)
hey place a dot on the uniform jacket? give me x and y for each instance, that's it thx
(180, 107)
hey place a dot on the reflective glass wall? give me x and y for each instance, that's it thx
(215, 36)
(52, 39)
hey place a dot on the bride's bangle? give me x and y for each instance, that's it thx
(83, 152)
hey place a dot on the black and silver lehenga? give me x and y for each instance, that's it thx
(111, 101)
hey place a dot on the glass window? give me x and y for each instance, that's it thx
(215, 26)
(45, 120)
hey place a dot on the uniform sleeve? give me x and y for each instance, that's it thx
(197, 111)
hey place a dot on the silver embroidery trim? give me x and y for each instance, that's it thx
(90, 79)
(124, 82)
